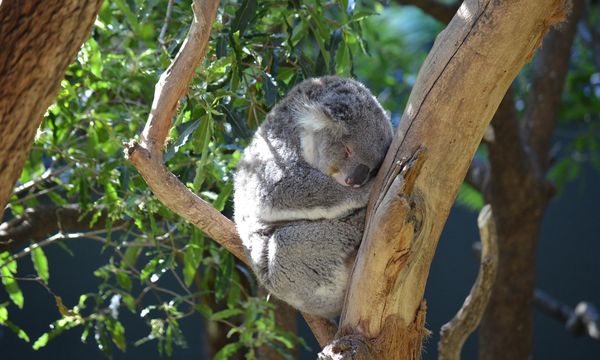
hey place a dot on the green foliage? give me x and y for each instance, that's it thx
(257, 52)
(158, 267)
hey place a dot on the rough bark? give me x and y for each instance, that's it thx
(39, 39)
(478, 53)
(519, 194)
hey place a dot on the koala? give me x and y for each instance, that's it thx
(301, 188)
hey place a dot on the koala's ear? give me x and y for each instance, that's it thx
(315, 117)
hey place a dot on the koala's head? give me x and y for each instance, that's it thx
(345, 133)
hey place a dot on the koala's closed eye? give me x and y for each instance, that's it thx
(300, 190)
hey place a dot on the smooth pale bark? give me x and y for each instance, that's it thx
(38, 40)
(458, 89)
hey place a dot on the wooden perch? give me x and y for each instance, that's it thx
(455, 332)
(457, 91)
(147, 156)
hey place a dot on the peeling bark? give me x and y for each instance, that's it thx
(39, 39)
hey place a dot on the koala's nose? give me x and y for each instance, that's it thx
(358, 176)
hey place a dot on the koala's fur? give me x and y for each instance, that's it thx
(301, 188)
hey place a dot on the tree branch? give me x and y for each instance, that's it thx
(37, 223)
(549, 73)
(437, 10)
(584, 320)
(147, 156)
(455, 332)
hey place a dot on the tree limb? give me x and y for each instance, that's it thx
(37, 223)
(455, 332)
(147, 156)
(583, 320)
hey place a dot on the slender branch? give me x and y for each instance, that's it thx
(147, 155)
(47, 175)
(165, 27)
(583, 320)
(439, 11)
(52, 239)
(455, 332)
(549, 73)
(37, 223)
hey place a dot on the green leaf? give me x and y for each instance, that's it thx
(202, 140)
(17, 330)
(41, 341)
(3, 314)
(192, 258)
(111, 193)
(129, 15)
(182, 139)
(227, 351)
(40, 263)
(10, 284)
(204, 309)
(243, 16)
(224, 276)
(469, 197)
(130, 256)
(224, 314)
(117, 333)
(124, 280)
(95, 57)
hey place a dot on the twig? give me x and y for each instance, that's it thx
(48, 174)
(455, 332)
(54, 238)
(37, 223)
(165, 27)
(584, 320)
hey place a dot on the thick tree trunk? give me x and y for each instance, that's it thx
(38, 40)
(456, 94)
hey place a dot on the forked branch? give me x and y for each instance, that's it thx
(147, 156)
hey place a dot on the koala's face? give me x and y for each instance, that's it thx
(346, 131)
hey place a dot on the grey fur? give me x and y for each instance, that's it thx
(299, 223)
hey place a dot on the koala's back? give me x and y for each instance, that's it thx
(299, 227)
